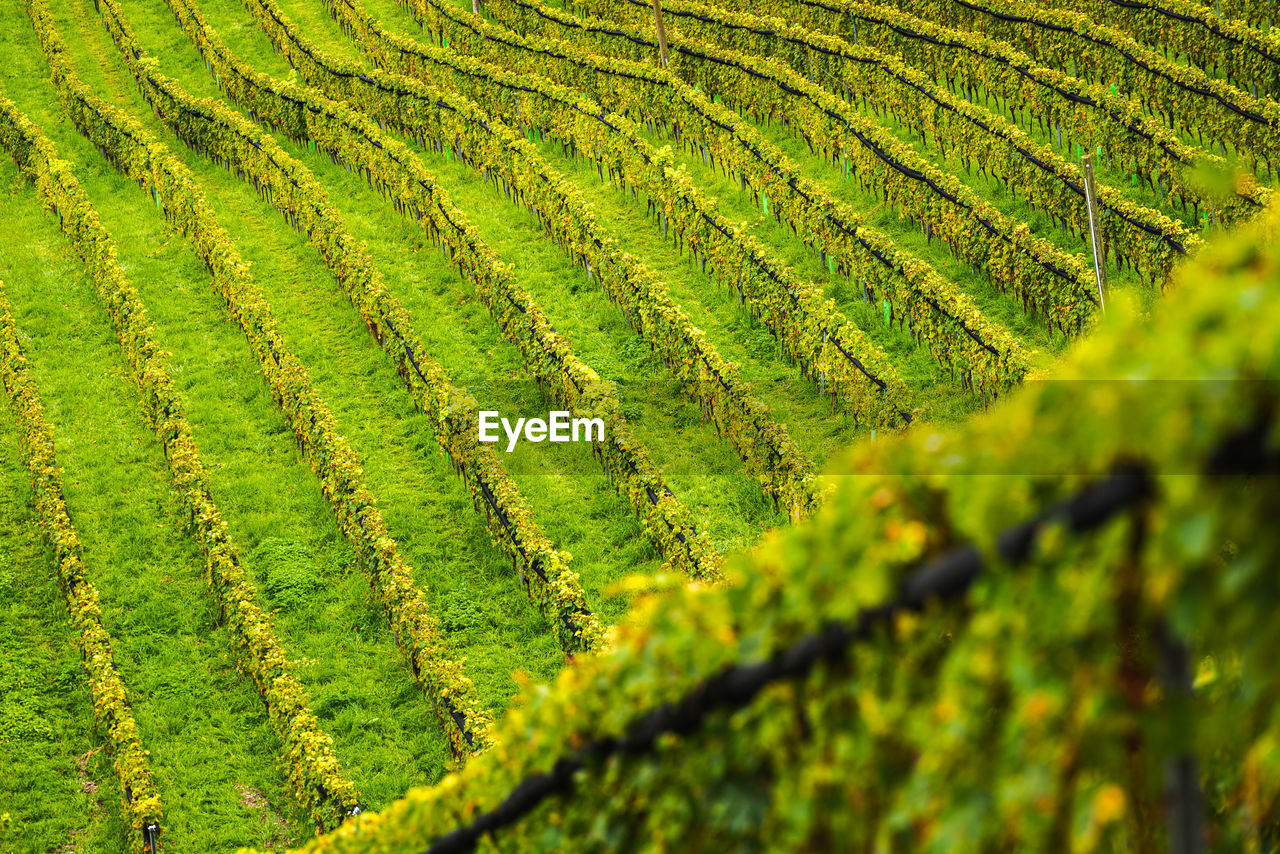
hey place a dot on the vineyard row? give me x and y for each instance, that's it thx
(1240, 52)
(1064, 107)
(1187, 98)
(1049, 282)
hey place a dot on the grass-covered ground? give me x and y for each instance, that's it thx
(204, 725)
(58, 785)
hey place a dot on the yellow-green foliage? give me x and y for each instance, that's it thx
(975, 231)
(983, 354)
(1207, 34)
(1050, 282)
(1185, 96)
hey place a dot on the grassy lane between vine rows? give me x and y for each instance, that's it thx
(59, 788)
(485, 613)
(204, 725)
(703, 472)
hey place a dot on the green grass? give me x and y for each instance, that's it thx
(204, 725)
(58, 786)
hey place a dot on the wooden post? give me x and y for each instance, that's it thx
(475, 7)
(662, 33)
(1095, 228)
(1185, 810)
